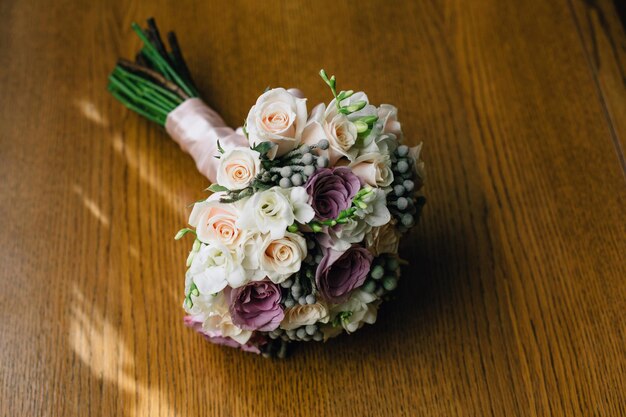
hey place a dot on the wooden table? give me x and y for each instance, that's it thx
(515, 301)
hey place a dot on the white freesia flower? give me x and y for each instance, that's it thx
(272, 211)
(216, 222)
(388, 119)
(342, 236)
(214, 267)
(251, 262)
(238, 167)
(278, 117)
(303, 315)
(368, 110)
(373, 207)
(212, 311)
(280, 258)
(201, 307)
(361, 308)
(299, 200)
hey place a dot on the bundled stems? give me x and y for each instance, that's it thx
(158, 81)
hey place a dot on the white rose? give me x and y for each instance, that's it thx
(214, 267)
(272, 211)
(383, 239)
(238, 167)
(303, 315)
(374, 208)
(342, 236)
(280, 258)
(361, 308)
(216, 222)
(278, 117)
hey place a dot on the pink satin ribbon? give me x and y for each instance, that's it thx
(196, 128)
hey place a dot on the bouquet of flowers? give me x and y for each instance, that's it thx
(299, 239)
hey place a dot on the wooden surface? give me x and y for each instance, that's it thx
(515, 303)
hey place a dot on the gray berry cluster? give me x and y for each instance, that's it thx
(300, 334)
(402, 201)
(383, 277)
(300, 287)
(295, 168)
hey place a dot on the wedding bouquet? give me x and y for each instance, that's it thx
(299, 239)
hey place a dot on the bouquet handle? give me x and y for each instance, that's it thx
(197, 128)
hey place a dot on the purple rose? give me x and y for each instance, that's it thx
(256, 306)
(340, 272)
(331, 191)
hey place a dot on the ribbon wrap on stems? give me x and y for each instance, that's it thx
(196, 128)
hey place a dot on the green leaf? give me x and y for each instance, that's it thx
(263, 147)
(216, 188)
(219, 147)
(260, 185)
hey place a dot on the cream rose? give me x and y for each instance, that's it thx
(373, 168)
(216, 222)
(341, 134)
(303, 315)
(278, 117)
(280, 258)
(384, 239)
(238, 167)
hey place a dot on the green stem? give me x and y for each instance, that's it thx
(157, 58)
(133, 107)
(148, 84)
(119, 83)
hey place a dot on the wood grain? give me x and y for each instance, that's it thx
(601, 27)
(514, 304)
